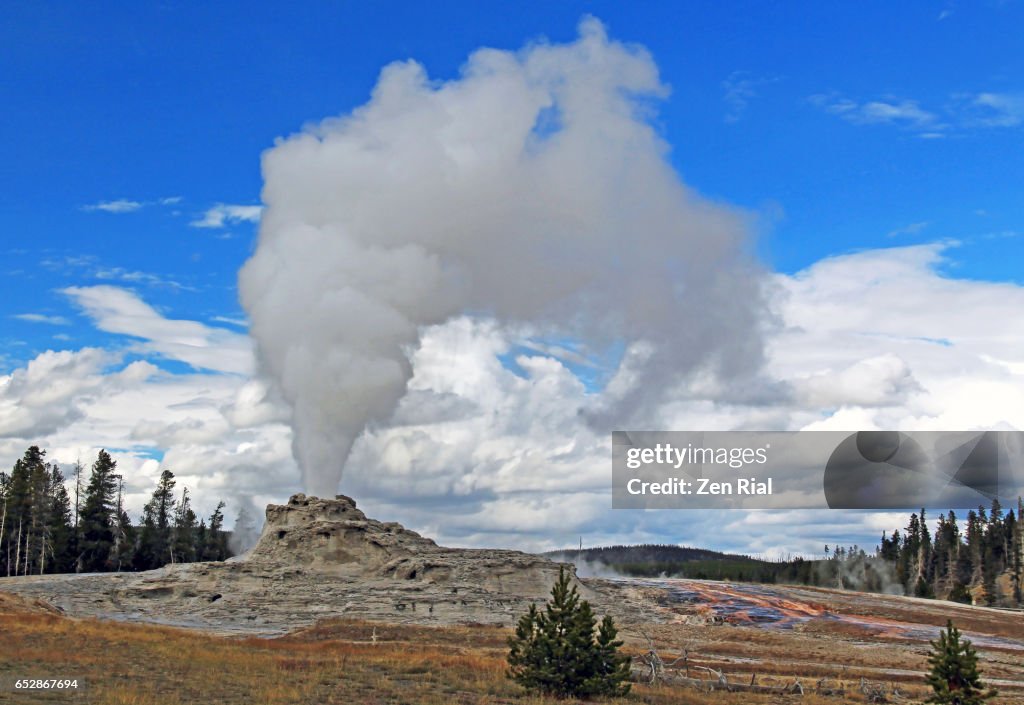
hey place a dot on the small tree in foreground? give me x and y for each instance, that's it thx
(556, 651)
(954, 671)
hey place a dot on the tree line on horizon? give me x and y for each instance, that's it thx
(980, 563)
(45, 528)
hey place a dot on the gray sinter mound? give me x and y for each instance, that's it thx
(316, 558)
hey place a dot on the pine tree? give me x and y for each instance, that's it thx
(555, 651)
(954, 671)
(17, 511)
(611, 669)
(959, 590)
(99, 514)
(5, 489)
(59, 530)
(214, 546)
(1016, 532)
(974, 544)
(184, 544)
(155, 537)
(38, 546)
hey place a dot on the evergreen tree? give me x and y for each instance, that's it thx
(974, 546)
(17, 510)
(35, 530)
(959, 590)
(59, 530)
(907, 565)
(184, 544)
(124, 554)
(953, 671)
(1016, 532)
(611, 669)
(155, 537)
(555, 651)
(99, 514)
(5, 488)
(44, 530)
(214, 545)
(38, 546)
(925, 560)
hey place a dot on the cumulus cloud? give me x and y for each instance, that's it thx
(224, 214)
(874, 339)
(43, 396)
(431, 322)
(884, 380)
(531, 190)
(931, 338)
(211, 429)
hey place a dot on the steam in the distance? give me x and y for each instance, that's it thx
(532, 189)
(247, 526)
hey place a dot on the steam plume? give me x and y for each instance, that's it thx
(532, 189)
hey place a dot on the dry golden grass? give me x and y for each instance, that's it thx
(339, 662)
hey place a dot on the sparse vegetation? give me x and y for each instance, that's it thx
(339, 662)
(44, 528)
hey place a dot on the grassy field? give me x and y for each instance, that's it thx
(353, 662)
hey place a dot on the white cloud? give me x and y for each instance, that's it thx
(896, 305)
(996, 109)
(124, 205)
(883, 380)
(41, 318)
(219, 439)
(90, 266)
(42, 396)
(890, 111)
(224, 214)
(240, 322)
(121, 311)
(911, 229)
(737, 92)
(962, 112)
(874, 339)
(121, 205)
(137, 277)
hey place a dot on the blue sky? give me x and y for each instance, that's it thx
(134, 131)
(147, 101)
